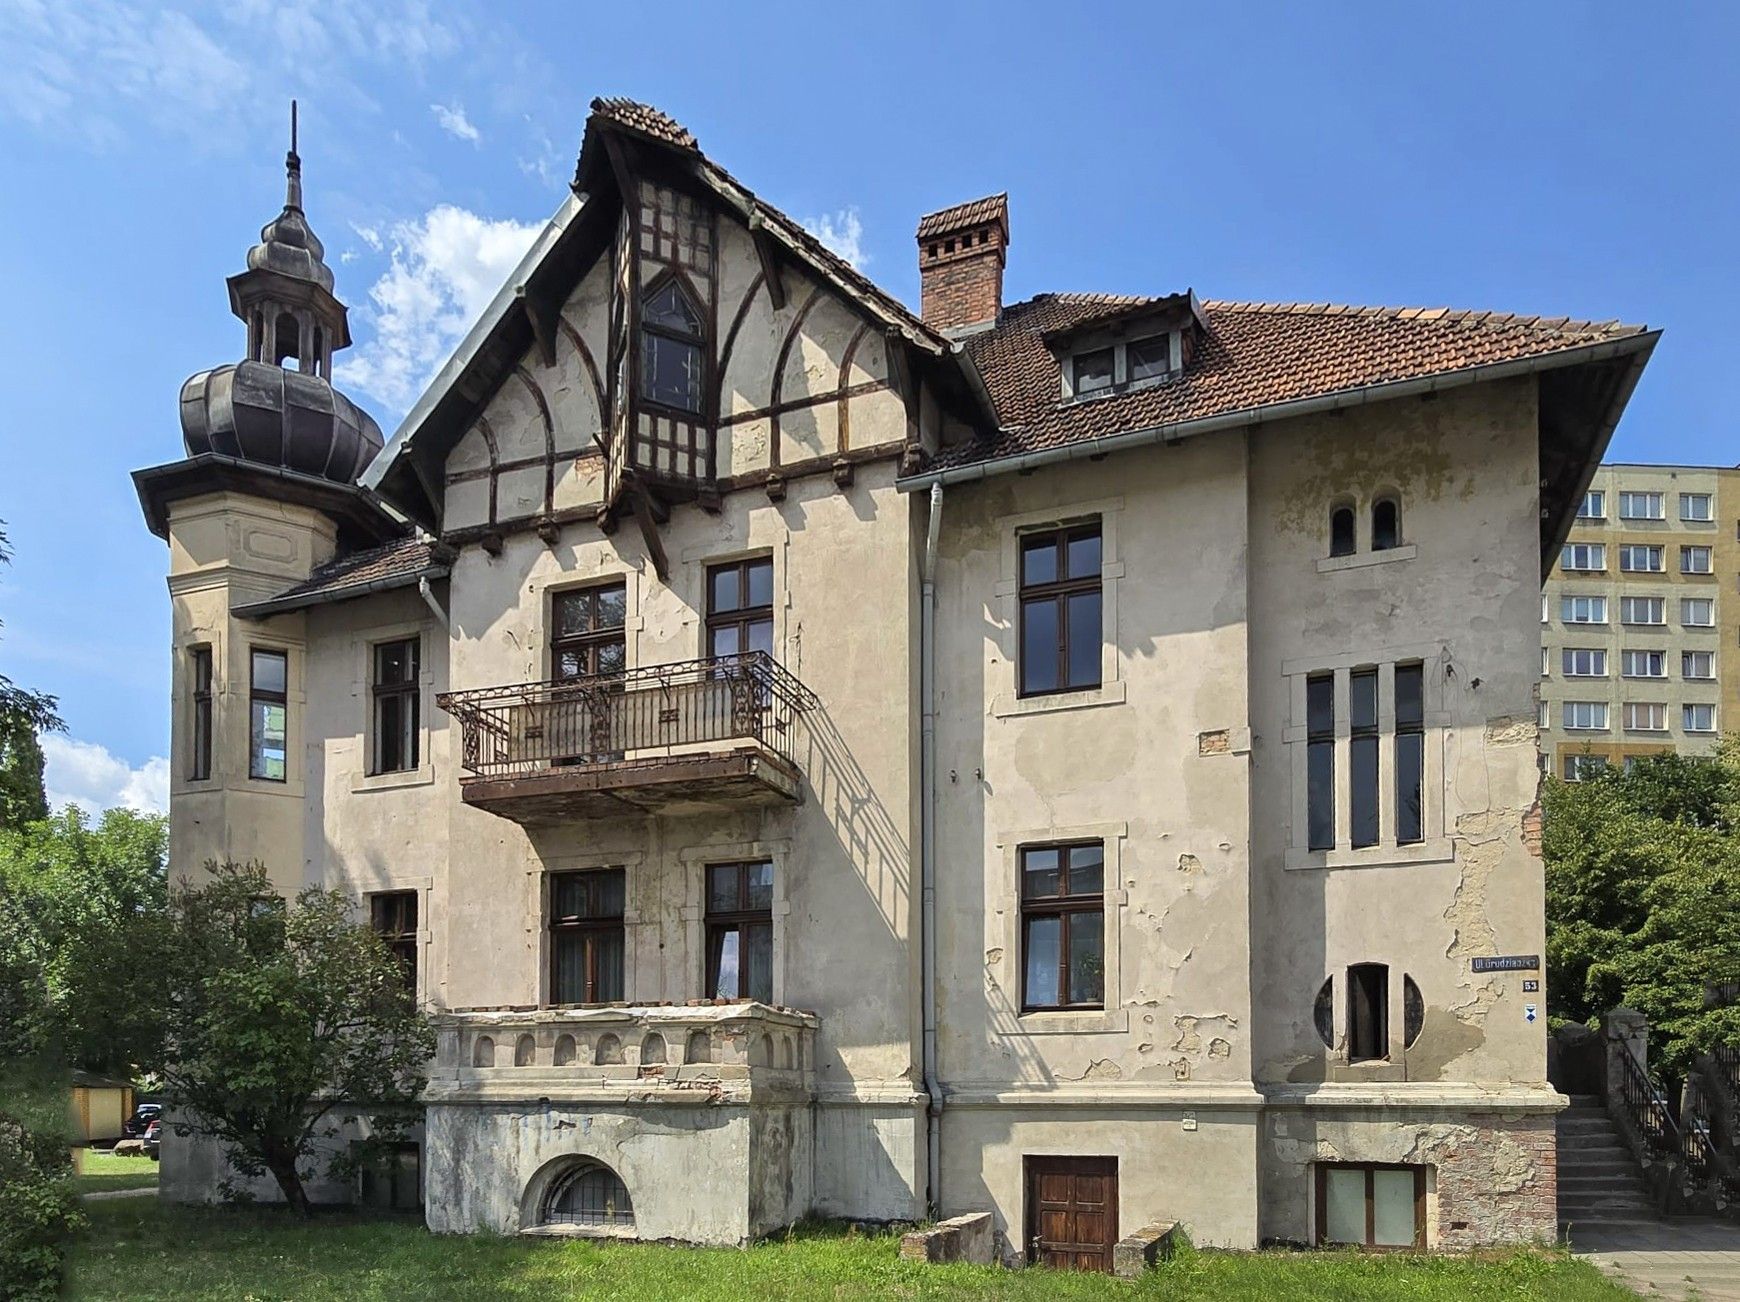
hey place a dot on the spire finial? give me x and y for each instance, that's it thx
(293, 167)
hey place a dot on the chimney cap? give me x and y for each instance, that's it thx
(993, 208)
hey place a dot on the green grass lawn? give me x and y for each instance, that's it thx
(141, 1250)
(106, 1171)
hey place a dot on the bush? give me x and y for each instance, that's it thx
(39, 1209)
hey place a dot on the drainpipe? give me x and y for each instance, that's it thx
(927, 855)
(428, 595)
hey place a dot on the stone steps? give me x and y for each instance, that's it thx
(1599, 1180)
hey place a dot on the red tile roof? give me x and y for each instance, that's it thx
(645, 119)
(395, 564)
(975, 212)
(1252, 355)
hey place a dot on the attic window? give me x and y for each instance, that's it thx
(1093, 372)
(1150, 358)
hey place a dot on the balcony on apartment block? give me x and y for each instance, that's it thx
(665, 738)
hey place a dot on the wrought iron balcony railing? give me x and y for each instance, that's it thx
(651, 709)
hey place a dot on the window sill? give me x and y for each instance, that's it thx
(417, 777)
(620, 1233)
(1005, 707)
(1359, 560)
(1098, 1021)
(1376, 856)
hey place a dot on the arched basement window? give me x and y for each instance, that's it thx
(1386, 524)
(589, 1195)
(1341, 542)
(671, 338)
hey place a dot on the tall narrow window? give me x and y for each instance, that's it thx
(393, 915)
(1341, 531)
(740, 607)
(1362, 757)
(267, 745)
(1368, 1012)
(1386, 524)
(1063, 926)
(1320, 760)
(588, 637)
(671, 339)
(396, 705)
(586, 936)
(199, 733)
(739, 928)
(1060, 610)
(1410, 753)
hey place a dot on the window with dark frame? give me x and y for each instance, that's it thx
(199, 734)
(1063, 926)
(739, 931)
(1320, 761)
(672, 342)
(740, 607)
(587, 637)
(586, 935)
(1410, 754)
(1371, 1205)
(1061, 631)
(396, 705)
(1368, 1012)
(268, 684)
(393, 917)
(1342, 541)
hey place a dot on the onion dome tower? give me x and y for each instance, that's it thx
(277, 407)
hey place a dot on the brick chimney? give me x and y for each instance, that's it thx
(960, 264)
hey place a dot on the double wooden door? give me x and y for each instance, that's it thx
(1072, 1211)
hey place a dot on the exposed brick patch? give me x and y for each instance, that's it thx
(1497, 1182)
(1533, 821)
(1218, 742)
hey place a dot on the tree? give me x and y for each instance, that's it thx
(78, 890)
(279, 1019)
(23, 715)
(1643, 898)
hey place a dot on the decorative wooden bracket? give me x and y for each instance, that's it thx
(541, 315)
(648, 512)
(769, 255)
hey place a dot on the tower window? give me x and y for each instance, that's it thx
(1368, 1007)
(671, 365)
(199, 760)
(1341, 539)
(1386, 524)
(286, 338)
(268, 750)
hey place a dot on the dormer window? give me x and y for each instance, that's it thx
(1094, 372)
(1150, 359)
(671, 338)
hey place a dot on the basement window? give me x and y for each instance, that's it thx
(1370, 1205)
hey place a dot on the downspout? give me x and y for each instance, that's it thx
(927, 855)
(429, 598)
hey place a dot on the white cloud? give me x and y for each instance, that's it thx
(453, 121)
(88, 775)
(841, 233)
(445, 267)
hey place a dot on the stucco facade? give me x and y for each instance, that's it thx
(890, 764)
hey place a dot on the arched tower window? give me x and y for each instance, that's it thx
(589, 1195)
(286, 338)
(671, 341)
(317, 363)
(1341, 522)
(1386, 524)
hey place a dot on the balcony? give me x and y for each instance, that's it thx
(746, 1053)
(669, 738)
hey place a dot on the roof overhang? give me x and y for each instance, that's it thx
(436, 569)
(357, 513)
(1173, 309)
(1583, 394)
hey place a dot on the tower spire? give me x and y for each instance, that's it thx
(293, 168)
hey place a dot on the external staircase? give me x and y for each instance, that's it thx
(1599, 1179)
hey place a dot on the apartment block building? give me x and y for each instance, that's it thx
(1640, 621)
(1067, 758)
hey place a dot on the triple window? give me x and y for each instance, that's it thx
(268, 684)
(1583, 610)
(1585, 716)
(1583, 556)
(1365, 731)
(1642, 610)
(396, 705)
(1640, 558)
(1645, 716)
(586, 936)
(1063, 926)
(1641, 506)
(1642, 664)
(1588, 662)
(739, 929)
(1060, 610)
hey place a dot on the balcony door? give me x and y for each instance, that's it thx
(1072, 1212)
(588, 651)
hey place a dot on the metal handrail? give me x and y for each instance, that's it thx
(525, 727)
(1646, 1107)
(1727, 1060)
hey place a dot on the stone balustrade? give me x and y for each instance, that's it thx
(625, 1052)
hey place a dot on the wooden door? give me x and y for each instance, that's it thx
(1072, 1211)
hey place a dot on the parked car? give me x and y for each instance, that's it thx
(153, 1139)
(143, 1115)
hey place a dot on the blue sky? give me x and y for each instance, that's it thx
(1567, 159)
